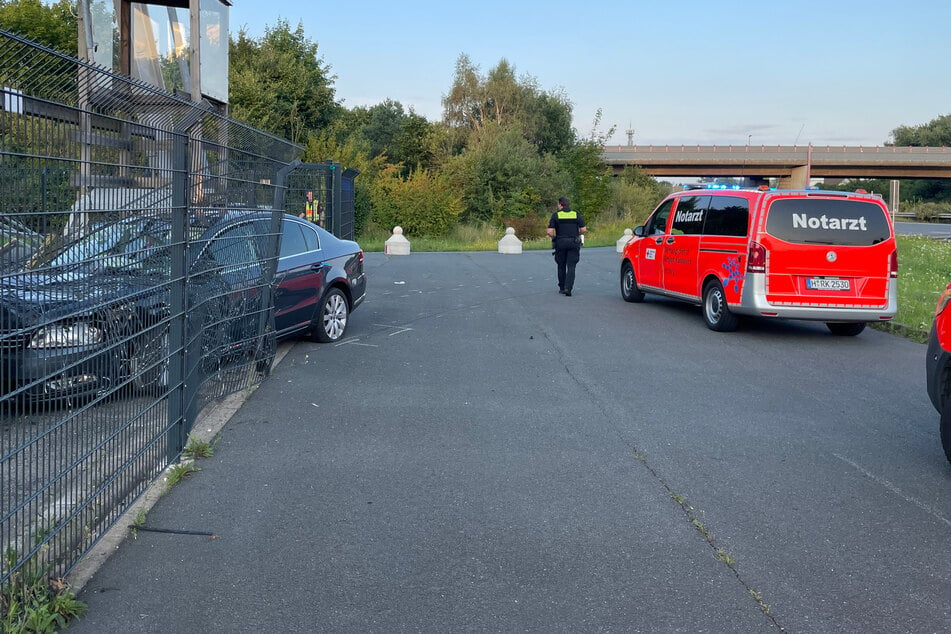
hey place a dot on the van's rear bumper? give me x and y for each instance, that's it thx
(753, 302)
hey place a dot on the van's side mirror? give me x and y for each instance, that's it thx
(639, 231)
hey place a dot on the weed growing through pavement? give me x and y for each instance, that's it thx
(725, 557)
(137, 522)
(178, 472)
(32, 602)
(199, 448)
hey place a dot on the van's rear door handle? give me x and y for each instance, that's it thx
(658, 240)
(670, 240)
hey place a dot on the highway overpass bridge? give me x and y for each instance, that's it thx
(793, 165)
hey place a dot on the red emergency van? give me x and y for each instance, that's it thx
(938, 366)
(815, 255)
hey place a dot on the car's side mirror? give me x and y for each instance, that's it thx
(639, 231)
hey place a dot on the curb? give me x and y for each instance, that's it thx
(207, 425)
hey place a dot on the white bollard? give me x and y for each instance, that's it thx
(628, 234)
(397, 244)
(509, 243)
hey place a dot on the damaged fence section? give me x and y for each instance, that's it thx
(138, 242)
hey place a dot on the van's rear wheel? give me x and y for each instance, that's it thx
(716, 313)
(629, 290)
(846, 329)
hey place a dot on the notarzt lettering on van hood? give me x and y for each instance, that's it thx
(803, 221)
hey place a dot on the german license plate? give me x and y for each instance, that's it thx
(826, 284)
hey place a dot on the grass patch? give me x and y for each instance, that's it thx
(486, 238)
(178, 472)
(138, 522)
(924, 271)
(32, 602)
(199, 448)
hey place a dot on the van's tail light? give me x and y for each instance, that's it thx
(756, 258)
(893, 264)
(943, 301)
(361, 258)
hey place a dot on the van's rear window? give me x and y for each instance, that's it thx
(827, 221)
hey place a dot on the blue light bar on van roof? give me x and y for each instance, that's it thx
(712, 186)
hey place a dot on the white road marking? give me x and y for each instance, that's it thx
(894, 489)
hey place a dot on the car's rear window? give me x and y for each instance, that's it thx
(827, 221)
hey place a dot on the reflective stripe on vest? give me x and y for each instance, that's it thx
(565, 220)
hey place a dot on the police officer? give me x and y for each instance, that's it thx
(565, 228)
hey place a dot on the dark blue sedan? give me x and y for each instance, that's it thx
(95, 313)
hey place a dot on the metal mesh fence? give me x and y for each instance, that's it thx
(138, 242)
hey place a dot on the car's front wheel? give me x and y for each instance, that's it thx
(716, 313)
(149, 362)
(331, 323)
(846, 329)
(629, 290)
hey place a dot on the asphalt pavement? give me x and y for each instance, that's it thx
(484, 454)
(936, 230)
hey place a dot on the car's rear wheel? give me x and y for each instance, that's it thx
(846, 329)
(946, 430)
(332, 317)
(716, 313)
(629, 290)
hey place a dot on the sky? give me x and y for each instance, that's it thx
(836, 72)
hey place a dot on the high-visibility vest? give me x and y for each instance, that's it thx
(567, 218)
(311, 211)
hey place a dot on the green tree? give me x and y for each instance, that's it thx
(404, 137)
(351, 152)
(51, 24)
(590, 177)
(279, 84)
(501, 175)
(935, 133)
(547, 121)
(499, 97)
(634, 194)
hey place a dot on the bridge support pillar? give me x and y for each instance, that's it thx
(799, 179)
(893, 195)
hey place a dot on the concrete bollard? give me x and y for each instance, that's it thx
(509, 243)
(397, 244)
(628, 234)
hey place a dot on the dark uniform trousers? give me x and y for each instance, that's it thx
(567, 254)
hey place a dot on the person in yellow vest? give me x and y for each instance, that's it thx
(566, 228)
(312, 210)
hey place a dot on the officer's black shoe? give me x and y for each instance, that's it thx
(561, 290)
(567, 292)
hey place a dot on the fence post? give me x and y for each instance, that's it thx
(182, 396)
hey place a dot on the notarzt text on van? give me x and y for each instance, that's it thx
(688, 216)
(802, 221)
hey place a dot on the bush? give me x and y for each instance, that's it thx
(633, 201)
(529, 228)
(422, 204)
(929, 211)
